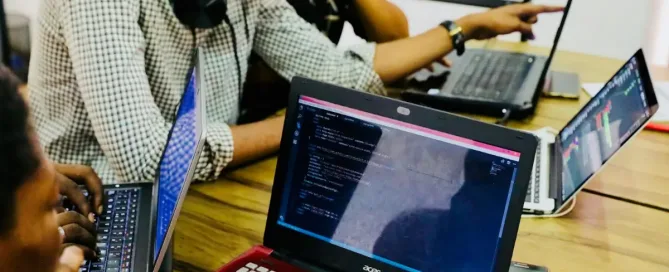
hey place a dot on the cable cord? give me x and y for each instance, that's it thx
(560, 214)
(246, 23)
(239, 67)
(505, 118)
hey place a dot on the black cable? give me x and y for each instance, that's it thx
(505, 118)
(192, 31)
(246, 23)
(239, 67)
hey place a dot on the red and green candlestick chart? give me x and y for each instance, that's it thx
(602, 119)
(570, 149)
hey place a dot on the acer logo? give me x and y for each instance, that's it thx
(368, 268)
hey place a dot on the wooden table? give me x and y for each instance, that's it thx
(622, 226)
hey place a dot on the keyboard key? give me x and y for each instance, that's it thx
(101, 245)
(103, 238)
(100, 260)
(115, 254)
(251, 265)
(243, 269)
(262, 269)
(118, 226)
(103, 230)
(113, 263)
(111, 269)
(116, 247)
(97, 266)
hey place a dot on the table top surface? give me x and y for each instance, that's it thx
(619, 226)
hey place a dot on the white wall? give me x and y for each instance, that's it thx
(24, 7)
(611, 28)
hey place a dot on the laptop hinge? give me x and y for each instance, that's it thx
(556, 174)
(298, 263)
(552, 178)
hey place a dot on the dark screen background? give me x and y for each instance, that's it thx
(395, 194)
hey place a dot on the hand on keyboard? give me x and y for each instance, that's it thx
(79, 231)
(69, 177)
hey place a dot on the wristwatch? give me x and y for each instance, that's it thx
(457, 37)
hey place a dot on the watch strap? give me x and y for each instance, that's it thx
(457, 37)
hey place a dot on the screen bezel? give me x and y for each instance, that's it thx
(200, 128)
(653, 106)
(556, 42)
(327, 256)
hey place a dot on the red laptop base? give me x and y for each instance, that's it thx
(258, 259)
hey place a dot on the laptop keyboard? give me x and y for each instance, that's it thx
(254, 267)
(493, 76)
(535, 180)
(116, 231)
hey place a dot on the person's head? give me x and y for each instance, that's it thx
(29, 237)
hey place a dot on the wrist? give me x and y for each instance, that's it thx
(468, 26)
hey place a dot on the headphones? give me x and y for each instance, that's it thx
(206, 14)
(200, 13)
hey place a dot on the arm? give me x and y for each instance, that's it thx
(256, 140)
(292, 47)
(381, 20)
(106, 46)
(397, 59)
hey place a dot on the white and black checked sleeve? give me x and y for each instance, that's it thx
(106, 46)
(293, 47)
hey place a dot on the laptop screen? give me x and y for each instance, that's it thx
(177, 157)
(603, 126)
(411, 197)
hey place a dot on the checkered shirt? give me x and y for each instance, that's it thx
(107, 75)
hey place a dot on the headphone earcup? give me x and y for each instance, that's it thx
(200, 13)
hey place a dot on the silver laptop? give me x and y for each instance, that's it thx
(135, 229)
(568, 159)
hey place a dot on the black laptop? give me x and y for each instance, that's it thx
(135, 229)
(491, 82)
(368, 183)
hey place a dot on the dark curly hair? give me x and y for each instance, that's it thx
(18, 159)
